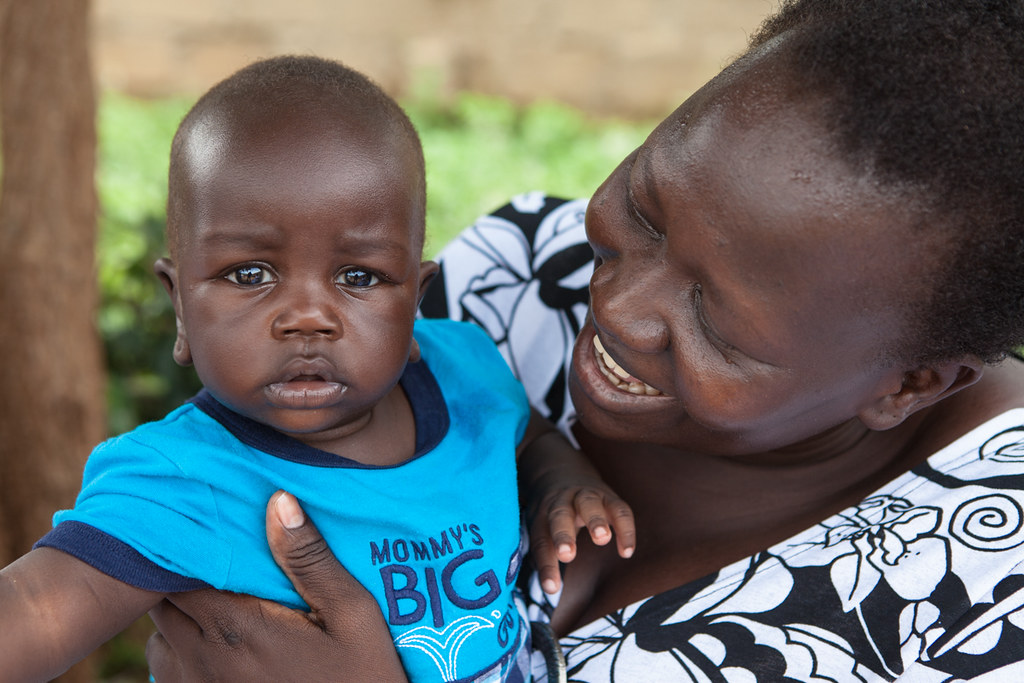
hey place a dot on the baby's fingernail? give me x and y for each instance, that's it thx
(288, 511)
(549, 586)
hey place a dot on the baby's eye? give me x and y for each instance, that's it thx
(357, 277)
(249, 275)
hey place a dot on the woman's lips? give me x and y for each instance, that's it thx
(615, 374)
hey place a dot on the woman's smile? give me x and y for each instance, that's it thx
(615, 374)
(597, 376)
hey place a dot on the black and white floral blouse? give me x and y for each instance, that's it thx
(922, 581)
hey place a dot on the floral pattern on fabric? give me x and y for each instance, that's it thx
(922, 581)
(522, 274)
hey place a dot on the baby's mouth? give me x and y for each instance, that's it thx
(307, 384)
(614, 373)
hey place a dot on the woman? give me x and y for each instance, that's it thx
(793, 366)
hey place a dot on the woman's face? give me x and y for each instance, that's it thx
(747, 282)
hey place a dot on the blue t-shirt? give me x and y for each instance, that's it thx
(180, 504)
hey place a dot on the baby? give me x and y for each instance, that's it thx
(295, 229)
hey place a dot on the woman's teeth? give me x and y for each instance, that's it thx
(619, 377)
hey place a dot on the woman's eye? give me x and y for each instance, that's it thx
(249, 275)
(640, 219)
(357, 277)
(723, 346)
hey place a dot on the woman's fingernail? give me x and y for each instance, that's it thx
(549, 586)
(288, 511)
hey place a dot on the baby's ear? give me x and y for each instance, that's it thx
(920, 388)
(414, 352)
(428, 270)
(168, 274)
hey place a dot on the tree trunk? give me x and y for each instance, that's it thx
(51, 373)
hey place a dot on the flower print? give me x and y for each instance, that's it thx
(539, 272)
(920, 625)
(992, 631)
(724, 628)
(1006, 447)
(883, 538)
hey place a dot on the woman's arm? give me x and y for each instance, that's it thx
(56, 609)
(211, 635)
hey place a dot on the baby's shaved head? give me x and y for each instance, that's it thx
(306, 88)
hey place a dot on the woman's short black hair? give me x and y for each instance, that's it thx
(929, 94)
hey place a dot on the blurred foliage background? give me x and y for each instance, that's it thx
(480, 151)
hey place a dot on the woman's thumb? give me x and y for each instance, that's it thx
(303, 555)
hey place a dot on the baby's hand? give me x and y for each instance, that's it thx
(562, 508)
(562, 492)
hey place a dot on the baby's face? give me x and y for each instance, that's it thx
(298, 280)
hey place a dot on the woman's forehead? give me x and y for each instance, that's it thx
(763, 133)
(749, 182)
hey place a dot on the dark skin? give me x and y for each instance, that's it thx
(750, 286)
(295, 285)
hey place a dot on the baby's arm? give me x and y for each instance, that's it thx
(561, 493)
(56, 609)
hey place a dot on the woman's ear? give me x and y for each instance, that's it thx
(414, 352)
(919, 389)
(168, 274)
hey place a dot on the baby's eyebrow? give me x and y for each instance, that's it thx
(254, 237)
(366, 241)
(370, 245)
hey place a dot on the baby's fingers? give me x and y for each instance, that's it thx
(602, 512)
(562, 527)
(624, 524)
(545, 558)
(590, 512)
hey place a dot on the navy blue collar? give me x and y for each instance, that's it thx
(429, 411)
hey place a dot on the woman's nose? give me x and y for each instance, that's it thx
(631, 312)
(308, 313)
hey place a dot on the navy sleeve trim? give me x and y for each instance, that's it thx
(115, 558)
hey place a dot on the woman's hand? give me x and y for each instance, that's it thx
(213, 635)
